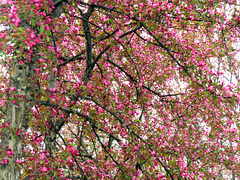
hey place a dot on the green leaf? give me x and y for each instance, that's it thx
(41, 29)
(33, 22)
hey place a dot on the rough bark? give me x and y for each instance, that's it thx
(16, 115)
(87, 32)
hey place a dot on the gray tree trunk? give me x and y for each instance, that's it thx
(16, 115)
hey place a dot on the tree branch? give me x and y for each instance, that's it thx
(145, 87)
(87, 32)
(47, 103)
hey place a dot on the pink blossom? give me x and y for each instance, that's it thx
(17, 21)
(44, 169)
(32, 35)
(4, 161)
(19, 161)
(4, 35)
(42, 156)
(12, 88)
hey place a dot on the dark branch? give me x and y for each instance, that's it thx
(133, 80)
(49, 104)
(88, 38)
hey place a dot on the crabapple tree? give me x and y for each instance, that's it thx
(119, 89)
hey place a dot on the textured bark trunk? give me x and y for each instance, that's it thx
(16, 116)
(17, 113)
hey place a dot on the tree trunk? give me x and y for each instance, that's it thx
(17, 112)
(16, 116)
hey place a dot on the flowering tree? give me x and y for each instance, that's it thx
(134, 89)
